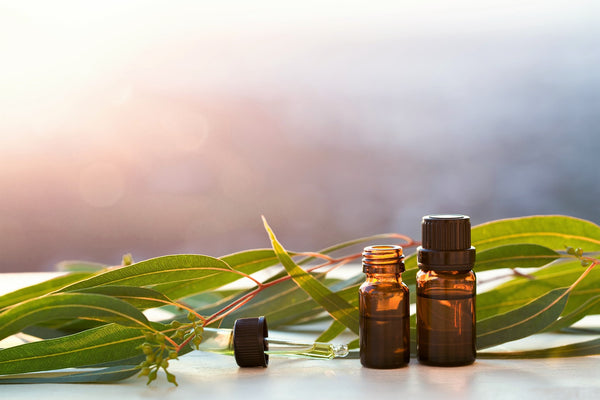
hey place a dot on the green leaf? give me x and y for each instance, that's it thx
(172, 268)
(85, 375)
(274, 302)
(80, 266)
(286, 303)
(569, 319)
(409, 276)
(522, 322)
(515, 256)
(336, 306)
(520, 290)
(355, 344)
(553, 231)
(334, 330)
(40, 289)
(284, 313)
(68, 305)
(247, 262)
(513, 310)
(139, 297)
(95, 346)
(587, 348)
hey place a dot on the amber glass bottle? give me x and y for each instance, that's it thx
(384, 309)
(446, 292)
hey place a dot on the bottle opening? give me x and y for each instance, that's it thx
(383, 259)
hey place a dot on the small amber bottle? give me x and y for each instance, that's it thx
(384, 309)
(446, 292)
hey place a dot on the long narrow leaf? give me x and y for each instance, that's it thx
(246, 262)
(104, 344)
(69, 305)
(41, 288)
(569, 319)
(337, 307)
(289, 314)
(522, 322)
(80, 266)
(139, 297)
(172, 268)
(515, 256)
(521, 290)
(333, 331)
(587, 348)
(553, 231)
(287, 303)
(87, 375)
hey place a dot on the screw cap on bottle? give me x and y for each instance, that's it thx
(446, 243)
(249, 342)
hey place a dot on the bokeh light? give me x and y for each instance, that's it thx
(158, 127)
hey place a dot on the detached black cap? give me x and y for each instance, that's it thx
(249, 342)
(446, 243)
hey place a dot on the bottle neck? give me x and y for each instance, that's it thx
(378, 277)
(383, 260)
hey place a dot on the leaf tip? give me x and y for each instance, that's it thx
(265, 223)
(268, 228)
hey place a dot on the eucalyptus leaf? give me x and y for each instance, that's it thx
(514, 256)
(41, 288)
(80, 266)
(86, 375)
(569, 319)
(521, 290)
(287, 303)
(94, 346)
(139, 297)
(525, 305)
(275, 300)
(287, 314)
(586, 348)
(246, 262)
(522, 322)
(333, 331)
(172, 268)
(69, 305)
(552, 231)
(337, 307)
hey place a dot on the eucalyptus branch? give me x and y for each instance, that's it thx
(519, 243)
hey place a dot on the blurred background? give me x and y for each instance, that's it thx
(170, 127)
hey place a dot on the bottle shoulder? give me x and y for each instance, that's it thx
(446, 275)
(463, 282)
(374, 287)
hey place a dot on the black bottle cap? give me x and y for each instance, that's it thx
(446, 243)
(249, 342)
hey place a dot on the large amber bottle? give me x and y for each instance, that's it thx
(446, 292)
(384, 309)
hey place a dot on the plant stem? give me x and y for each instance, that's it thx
(333, 263)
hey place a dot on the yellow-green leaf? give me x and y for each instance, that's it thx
(336, 306)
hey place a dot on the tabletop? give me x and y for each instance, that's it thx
(213, 376)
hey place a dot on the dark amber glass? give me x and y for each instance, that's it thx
(384, 310)
(446, 317)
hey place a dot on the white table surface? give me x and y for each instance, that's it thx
(210, 376)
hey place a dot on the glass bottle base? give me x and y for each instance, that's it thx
(436, 363)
